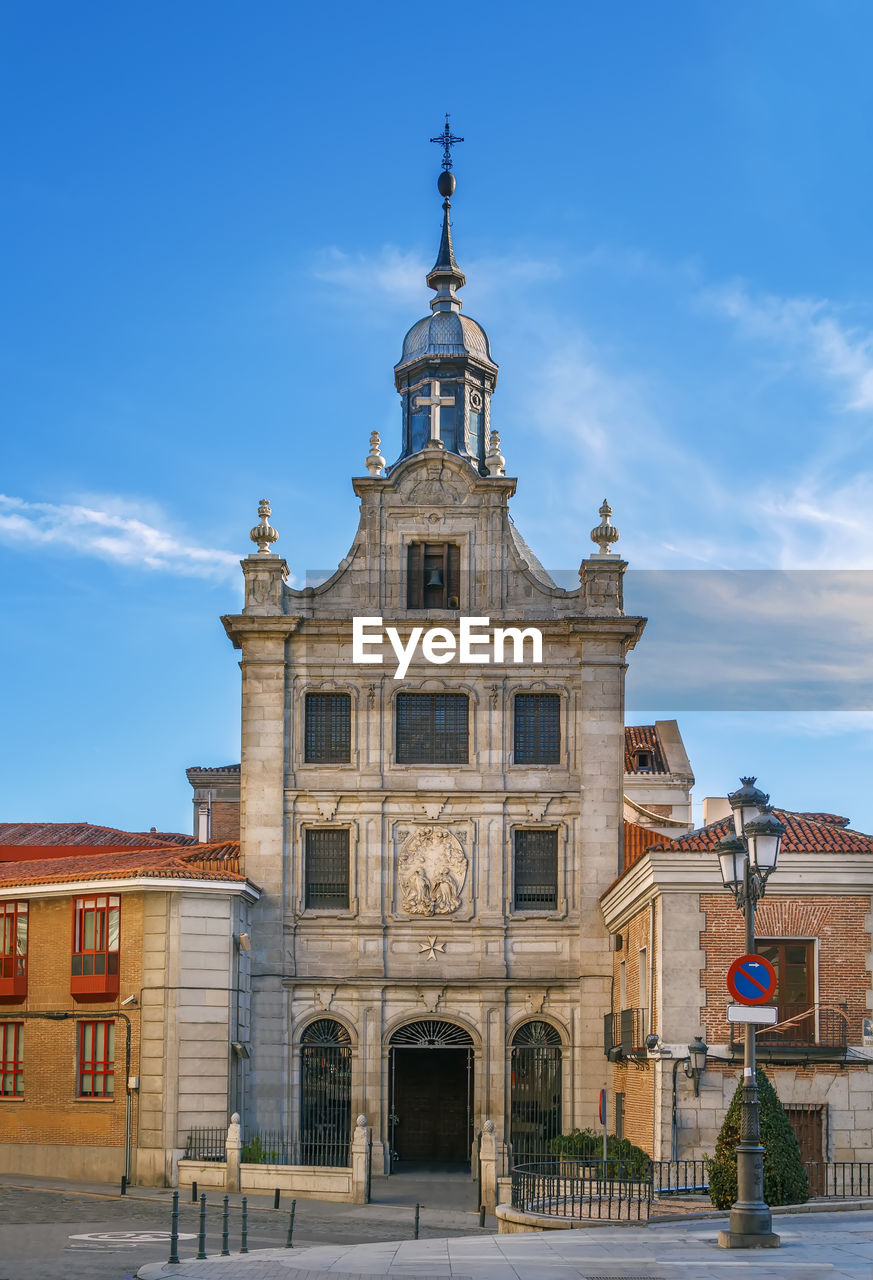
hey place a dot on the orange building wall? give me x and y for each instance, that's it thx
(50, 1112)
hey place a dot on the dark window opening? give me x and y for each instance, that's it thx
(328, 732)
(536, 871)
(537, 728)
(432, 728)
(327, 868)
(433, 575)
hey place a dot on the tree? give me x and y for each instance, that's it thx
(785, 1178)
(623, 1159)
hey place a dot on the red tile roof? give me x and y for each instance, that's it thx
(71, 834)
(203, 862)
(805, 833)
(637, 840)
(643, 737)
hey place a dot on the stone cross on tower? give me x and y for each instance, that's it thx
(436, 401)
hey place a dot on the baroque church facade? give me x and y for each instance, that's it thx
(431, 825)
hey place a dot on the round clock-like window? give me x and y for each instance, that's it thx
(476, 400)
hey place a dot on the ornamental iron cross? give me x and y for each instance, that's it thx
(435, 400)
(447, 140)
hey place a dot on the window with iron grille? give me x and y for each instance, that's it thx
(96, 1059)
(11, 1059)
(535, 877)
(432, 728)
(13, 949)
(328, 732)
(327, 868)
(537, 728)
(433, 575)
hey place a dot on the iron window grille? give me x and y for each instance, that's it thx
(11, 1060)
(326, 1094)
(433, 575)
(535, 1093)
(327, 868)
(13, 949)
(96, 1059)
(328, 728)
(537, 728)
(535, 877)
(432, 728)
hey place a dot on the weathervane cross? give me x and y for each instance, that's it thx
(447, 140)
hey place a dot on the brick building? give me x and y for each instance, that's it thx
(122, 991)
(675, 931)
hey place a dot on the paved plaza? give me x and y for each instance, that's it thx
(814, 1246)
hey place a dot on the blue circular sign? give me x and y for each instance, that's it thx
(751, 980)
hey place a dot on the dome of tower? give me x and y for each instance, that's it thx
(446, 333)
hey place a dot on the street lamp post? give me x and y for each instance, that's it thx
(747, 860)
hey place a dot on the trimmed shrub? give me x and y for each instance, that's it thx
(623, 1159)
(785, 1178)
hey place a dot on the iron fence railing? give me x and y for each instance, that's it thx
(840, 1179)
(624, 1033)
(205, 1143)
(574, 1189)
(270, 1146)
(679, 1177)
(804, 1026)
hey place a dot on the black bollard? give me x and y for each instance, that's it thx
(193, 1192)
(481, 1215)
(244, 1243)
(124, 1184)
(276, 1198)
(289, 1243)
(174, 1231)
(225, 1225)
(201, 1238)
(417, 1216)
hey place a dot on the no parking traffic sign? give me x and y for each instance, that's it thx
(751, 980)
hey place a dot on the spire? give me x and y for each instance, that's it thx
(446, 275)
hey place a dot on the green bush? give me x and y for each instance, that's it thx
(622, 1157)
(254, 1152)
(785, 1178)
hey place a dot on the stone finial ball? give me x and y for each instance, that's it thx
(234, 1119)
(446, 183)
(361, 1122)
(488, 1126)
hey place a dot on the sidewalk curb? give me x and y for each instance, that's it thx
(783, 1210)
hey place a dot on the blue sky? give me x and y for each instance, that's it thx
(215, 223)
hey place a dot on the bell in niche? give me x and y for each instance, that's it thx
(435, 579)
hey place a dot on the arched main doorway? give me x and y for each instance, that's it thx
(431, 1094)
(535, 1091)
(325, 1093)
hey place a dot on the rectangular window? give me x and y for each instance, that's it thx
(432, 728)
(328, 732)
(11, 1059)
(433, 575)
(619, 1115)
(96, 923)
(643, 978)
(537, 728)
(96, 1059)
(327, 868)
(794, 965)
(536, 871)
(13, 950)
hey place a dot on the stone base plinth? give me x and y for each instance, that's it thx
(745, 1240)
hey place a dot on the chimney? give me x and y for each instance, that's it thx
(203, 821)
(714, 808)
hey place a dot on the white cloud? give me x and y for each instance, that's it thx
(809, 333)
(110, 532)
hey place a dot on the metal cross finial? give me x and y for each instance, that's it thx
(447, 140)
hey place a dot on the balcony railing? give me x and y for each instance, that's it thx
(802, 1030)
(624, 1033)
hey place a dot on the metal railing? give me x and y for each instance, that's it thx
(679, 1177)
(577, 1189)
(803, 1026)
(624, 1033)
(840, 1179)
(205, 1143)
(269, 1146)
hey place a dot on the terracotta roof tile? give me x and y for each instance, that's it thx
(85, 833)
(643, 737)
(637, 839)
(218, 861)
(805, 833)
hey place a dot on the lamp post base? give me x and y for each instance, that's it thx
(747, 1240)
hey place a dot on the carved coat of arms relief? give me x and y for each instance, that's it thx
(431, 871)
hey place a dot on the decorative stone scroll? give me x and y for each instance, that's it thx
(431, 871)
